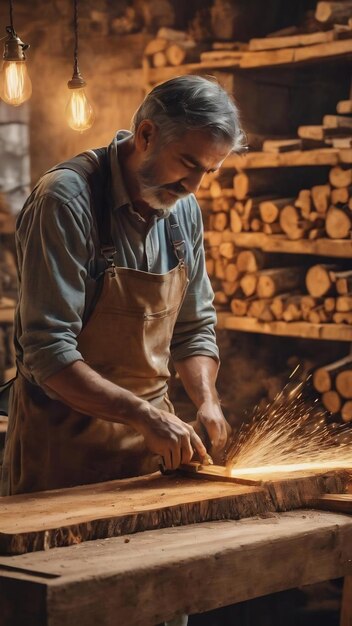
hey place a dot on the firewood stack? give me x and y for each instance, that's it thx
(334, 383)
(244, 283)
(310, 202)
(171, 48)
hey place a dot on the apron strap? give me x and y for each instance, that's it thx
(175, 235)
(92, 166)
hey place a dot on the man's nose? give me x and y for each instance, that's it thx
(192, 181)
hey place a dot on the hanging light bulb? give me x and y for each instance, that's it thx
(15, 84)
(79, 113)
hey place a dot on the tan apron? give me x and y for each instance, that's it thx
(127, 340)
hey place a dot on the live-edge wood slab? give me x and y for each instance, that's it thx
(63, 517)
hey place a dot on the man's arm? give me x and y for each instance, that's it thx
(193, 348)
(198, 375)
(83, 389)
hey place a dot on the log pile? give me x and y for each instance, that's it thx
(335, 131)
(309, 202)
(334, 12)
(245, 284)
(334, 383)
(327, 39)
(171, 48)
(323, 210)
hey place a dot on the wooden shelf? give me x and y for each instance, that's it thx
(331, 332)
(296, 158)
(339, 248)
(251, 60)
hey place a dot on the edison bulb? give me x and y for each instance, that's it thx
(15, 84)
(79, 113)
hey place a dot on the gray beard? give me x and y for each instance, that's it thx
(151, 193)
(151, 197)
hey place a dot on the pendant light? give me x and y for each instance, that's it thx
(79, 113)
(15, 84)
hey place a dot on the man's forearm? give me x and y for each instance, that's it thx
(83, 389)
(198, 375)
(164, 433)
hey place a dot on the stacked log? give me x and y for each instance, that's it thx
(335, 286)
(248, 287)
(333, 12)
(334, 383)
(324, 210)
(311, 202)
(335, 130)
(221, 267)
(171, 48)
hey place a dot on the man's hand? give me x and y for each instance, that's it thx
(173, 439)
(211, 418)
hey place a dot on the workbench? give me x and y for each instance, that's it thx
(148, 577)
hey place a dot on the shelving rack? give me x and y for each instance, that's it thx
(240, 62)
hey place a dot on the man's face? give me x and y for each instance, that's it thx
(170, 172)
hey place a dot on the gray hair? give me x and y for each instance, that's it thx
(192, 103)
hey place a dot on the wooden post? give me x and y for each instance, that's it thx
(346, 608)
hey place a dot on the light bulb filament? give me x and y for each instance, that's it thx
(79, 112)
(16, 86)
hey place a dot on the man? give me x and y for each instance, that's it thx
(111, 281)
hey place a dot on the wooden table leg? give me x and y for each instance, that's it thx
(346, 608)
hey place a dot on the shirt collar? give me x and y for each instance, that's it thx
(119, 193)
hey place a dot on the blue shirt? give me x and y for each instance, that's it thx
(57, 245)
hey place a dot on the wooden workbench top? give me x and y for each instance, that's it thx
(64, 517)
(152, 576)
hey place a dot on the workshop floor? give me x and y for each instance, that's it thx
(313, 605)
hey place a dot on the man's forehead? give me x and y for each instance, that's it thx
(203, 149)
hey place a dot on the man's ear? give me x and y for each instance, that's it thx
(145, 135)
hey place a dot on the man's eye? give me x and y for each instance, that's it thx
(190, 166)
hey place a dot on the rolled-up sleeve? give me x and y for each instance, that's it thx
(52, 246)
(194, 332)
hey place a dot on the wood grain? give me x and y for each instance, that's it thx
(63, 517)
(329, 332)
(136, 580)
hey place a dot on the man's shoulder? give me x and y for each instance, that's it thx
(62, 184)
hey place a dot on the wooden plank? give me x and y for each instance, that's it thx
(250, 60)
(158, 75)
(323, 50)
(338, 502)
(138, 578)
(67, 516)
(296, 55)
(296, 158)
(341, 248)
(331, 332)
(304, 39)
(287, 490)
(322, 133)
